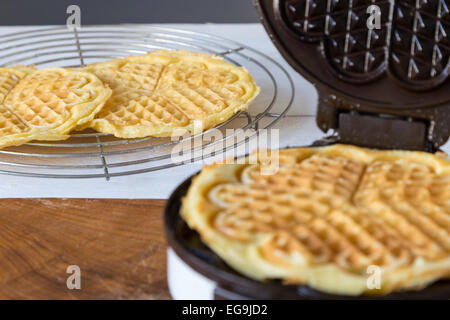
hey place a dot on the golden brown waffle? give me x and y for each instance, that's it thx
(47, 104)
(327, 216)
(163, 92)
(10, 77)
(12, 130)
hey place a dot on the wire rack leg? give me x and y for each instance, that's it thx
(77, 42)
(102, 157)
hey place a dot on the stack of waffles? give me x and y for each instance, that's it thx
(158, 94)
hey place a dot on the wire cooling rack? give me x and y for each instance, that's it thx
(89, 154)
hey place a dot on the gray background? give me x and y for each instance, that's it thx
(35, 12)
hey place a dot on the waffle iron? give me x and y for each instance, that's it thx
(385, 88)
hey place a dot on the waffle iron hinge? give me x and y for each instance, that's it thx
(382, 131)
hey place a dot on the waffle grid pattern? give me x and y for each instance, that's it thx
(47, 100)
(8, 81)
(412, 43)
(165, 92)
(204, 91)
(325, 207)
(10, 123)
(46, 104)
(314, 215)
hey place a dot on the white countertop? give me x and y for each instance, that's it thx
(298, 128)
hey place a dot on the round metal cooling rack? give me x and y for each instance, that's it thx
(89, 154)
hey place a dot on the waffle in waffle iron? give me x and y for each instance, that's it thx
(330, 213)
(327, 216)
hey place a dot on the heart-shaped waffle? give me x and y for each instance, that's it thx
(164, 92)
(46, 104)
(328, 216)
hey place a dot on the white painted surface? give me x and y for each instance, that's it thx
(184, 282)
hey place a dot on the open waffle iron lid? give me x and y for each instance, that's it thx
(382, 88)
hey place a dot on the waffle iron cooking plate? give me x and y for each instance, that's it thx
(381, 88)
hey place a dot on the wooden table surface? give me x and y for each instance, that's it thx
(119, 246)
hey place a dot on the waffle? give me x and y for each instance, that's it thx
(163, 92)
(10, 77)
(327, 216)
(46, 104)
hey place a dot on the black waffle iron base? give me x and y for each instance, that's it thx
(231, 285)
